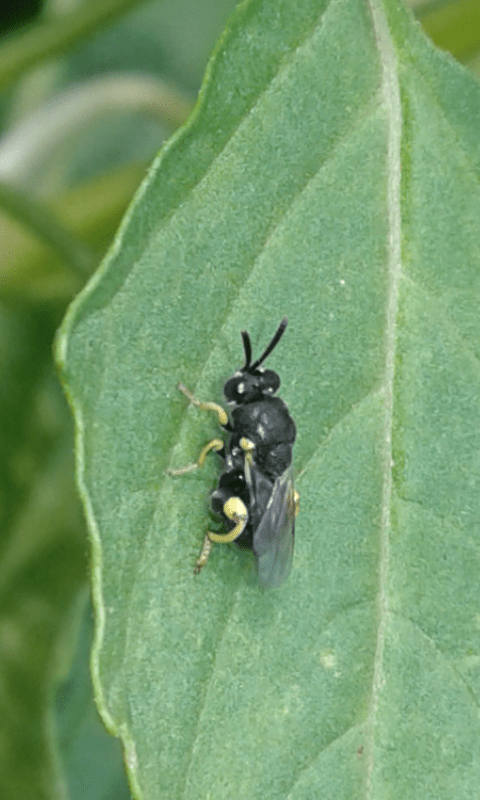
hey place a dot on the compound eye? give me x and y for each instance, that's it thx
(242, 388)
(233, 388)
(269, 381)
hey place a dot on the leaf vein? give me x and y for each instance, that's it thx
(391, 99)
(440, 653)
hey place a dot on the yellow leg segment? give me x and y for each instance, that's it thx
(248, 447)
(215, 444)
(222, 414)
(204, 553)
(235, 510)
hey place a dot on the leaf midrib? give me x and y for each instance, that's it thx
(391, 98)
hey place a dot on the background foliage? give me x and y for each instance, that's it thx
(121, 80)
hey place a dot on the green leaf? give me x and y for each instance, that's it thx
(453, 26)
(329, 173)
(90, 757)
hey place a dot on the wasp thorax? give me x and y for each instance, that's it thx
(245, 387)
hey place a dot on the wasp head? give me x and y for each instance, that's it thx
(252, 382)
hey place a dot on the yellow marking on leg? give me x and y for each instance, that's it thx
(235, 510)
(215, 444)
(248, 447)
(222, 414)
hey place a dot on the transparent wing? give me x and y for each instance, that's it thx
(273, 538)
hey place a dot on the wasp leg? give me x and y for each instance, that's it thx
(204, 553)
(248, 447)
(234, 509)
(222, 414)
(215, 444)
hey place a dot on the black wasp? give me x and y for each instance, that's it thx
(255, 496)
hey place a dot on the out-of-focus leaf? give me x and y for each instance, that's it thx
(31, 271)
(42, 558)
(46, 38)
(91, 759)
(454, 26)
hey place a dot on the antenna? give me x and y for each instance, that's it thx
(247, 346)
(278, 335)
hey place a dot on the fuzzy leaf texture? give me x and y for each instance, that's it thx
(329, 173)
